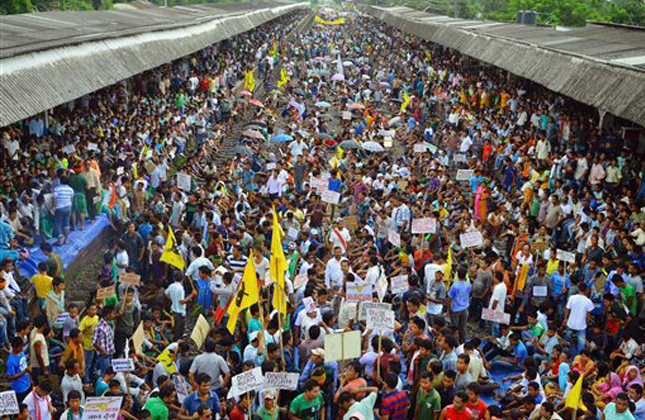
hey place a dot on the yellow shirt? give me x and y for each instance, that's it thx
(87, 328)
(552, 266)
(43, 285)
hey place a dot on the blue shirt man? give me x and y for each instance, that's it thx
(204, 293)
(460, 295)
(201, 397)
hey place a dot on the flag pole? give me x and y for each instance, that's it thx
(262, 319)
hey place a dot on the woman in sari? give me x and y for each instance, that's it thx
(481, 195)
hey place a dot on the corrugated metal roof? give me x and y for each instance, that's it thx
(54, 57)
(603, 66)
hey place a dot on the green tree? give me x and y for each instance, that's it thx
(8, 7)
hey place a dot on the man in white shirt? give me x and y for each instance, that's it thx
(577, 314)
(400, 214)
(497, 299)
(340, 236)
(466, 142)
(40, 396)
(333, 270)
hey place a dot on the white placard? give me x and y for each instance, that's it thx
(464, 174)
(62, 317)
(281, 380)
(399, 284)
(123, 365)
(102, 408)
(271, 166)
(92, 146)
(347, 115)
(69, 149)
(459, 158)
(119, 170)
(343, 346)
(8, 403)
(380, 319)
(348, 312)
(432, 148)
(319, 184)
(426, 225)
(251, 380)
(387, 143)
(471, 239)
(420, 148)
(496, 316)
(292, 233)
(394, 237)
(184, 181)
(565, 256)
(365, 306)
(356, 293)
(331, 197)
(381, 287)
(300, 281)
(387, 133)
(540, 291)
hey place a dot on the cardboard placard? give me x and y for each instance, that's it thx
(539, 246)
(356, 293)
(281, 380)
(399, 284)
(402, 184)
(425, 225)
(131, 279)
(138, 338)
(102, 408)
(496, 316)
(471, 239)
(342, 346)
(420, 148)
(122, 365)
(105, 292)
(364, 306)
(464, 174)
(200, 331)
(348, 312)
(184, 181)
(331, 197)
(394, 237)
(248, 381)
(565, 256)
(540, 291)
(380, 319)
(9, 403)
(351, 222)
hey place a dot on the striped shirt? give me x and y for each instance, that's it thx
(104, 337)
(395, 405)
(237, 264)
(63, 195)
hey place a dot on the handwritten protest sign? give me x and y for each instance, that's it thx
(496, 316)
(281, 380)
(105, 292)
(138, 338)
(432, 148)
(331, 197)
(69, 149)
(102, 408)
(184, 181)
(459, 158)
(248, 381)
(565, 256)
(540, 291)
(319, 184)
(387, 143)
(539, 246)
(200, 331)
(300, 281)
(122, 365)
(351, 222)
(399, 284)
(420, 148)
(131, 279)
(365, 306)
(348, 313)
(342, 346)
(464, 174)
(426, 225)
(380, 319)
(471, 239)
(8, 403)
(292, 233)
(394, 237)
(355, 292)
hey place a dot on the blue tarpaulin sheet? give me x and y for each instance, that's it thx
(78, 240)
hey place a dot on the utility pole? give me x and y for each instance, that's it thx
(455, 7)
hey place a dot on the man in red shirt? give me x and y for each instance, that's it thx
(457, 410)
(476, 406)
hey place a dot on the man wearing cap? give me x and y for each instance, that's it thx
(316, 360)
(253, 352)
(340, 236)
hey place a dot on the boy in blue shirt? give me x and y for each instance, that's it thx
(18, 369)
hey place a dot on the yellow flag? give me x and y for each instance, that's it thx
(320, 20)
(406, 101)
(170, 254)
(249, 82)
(274, 50)
(428, 56)
(101, 133)
(278, 265)
(284, 79)
(247, 295)
(339, 152)
(448, 269)
(574, 398)
(166, 359)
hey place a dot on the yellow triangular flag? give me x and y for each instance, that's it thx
(170, 254)
(247, 295)
(277, 267)
(574, 398)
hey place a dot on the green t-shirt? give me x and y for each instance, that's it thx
(537, 330)
(626, 292)
(266, 415)
(428, 402)
(157, 408)
(305, 409)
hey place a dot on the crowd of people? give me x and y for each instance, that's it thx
(522, 298)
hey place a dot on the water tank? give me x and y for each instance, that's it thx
(520, 16)
(530, 18)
